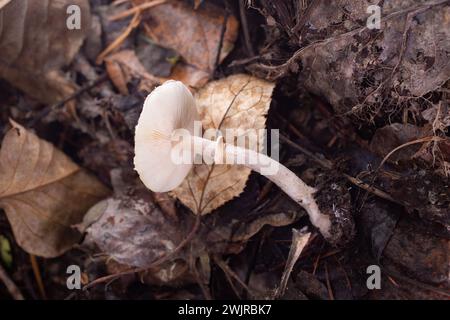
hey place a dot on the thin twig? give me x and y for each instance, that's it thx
(426, 139)
(327, 276)
(43, 113)
(418, 284)
(230, 272)
(37, 276)
(139, 8)
(222, 36)
(325, 163)
(205, 290)
(281, 69)
(10, 285)
(121, 38)
(244, 24)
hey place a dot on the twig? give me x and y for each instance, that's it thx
(301, 22)
(230, 272)
(426, 139)
(417, 283)
(330, 290)
(37, 276)
(121, 38)
(222, 36)
(379, 193)
(244, 24)
(382, 194)
(119, 2)
(205, 290)
(10, 285)
(43, 113)
(357, 182)
(134, 10)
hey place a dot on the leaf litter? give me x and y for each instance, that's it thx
(395, 156)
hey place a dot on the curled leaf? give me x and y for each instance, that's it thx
(43, 193)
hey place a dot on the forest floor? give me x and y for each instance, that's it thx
(363, 116)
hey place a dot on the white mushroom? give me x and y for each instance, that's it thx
(170, 112)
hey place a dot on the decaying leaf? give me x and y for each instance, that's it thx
(43, 193)
(124, 66)
(4, 3)
(133, 230)
(195, 34)
(35, 43)
(238, 102)
(394, 135)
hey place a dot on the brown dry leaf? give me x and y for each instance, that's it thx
(191, 76)
(124, 66)
(35, 43)
(238, 102)
(43, 193)
(195, 34)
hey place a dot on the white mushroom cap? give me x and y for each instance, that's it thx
(168, 107)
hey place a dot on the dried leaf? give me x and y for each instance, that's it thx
(36, 43)
(422, 255)
(231, 236)
(43, 193)
(391, 136)
(238, 102)
(133, 231)
(195, 34)
(124, 66)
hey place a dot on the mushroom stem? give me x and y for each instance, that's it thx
(284, 178)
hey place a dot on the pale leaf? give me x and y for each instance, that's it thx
(43, 193)
(238, 102)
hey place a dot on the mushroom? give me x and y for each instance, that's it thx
(169, 113)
